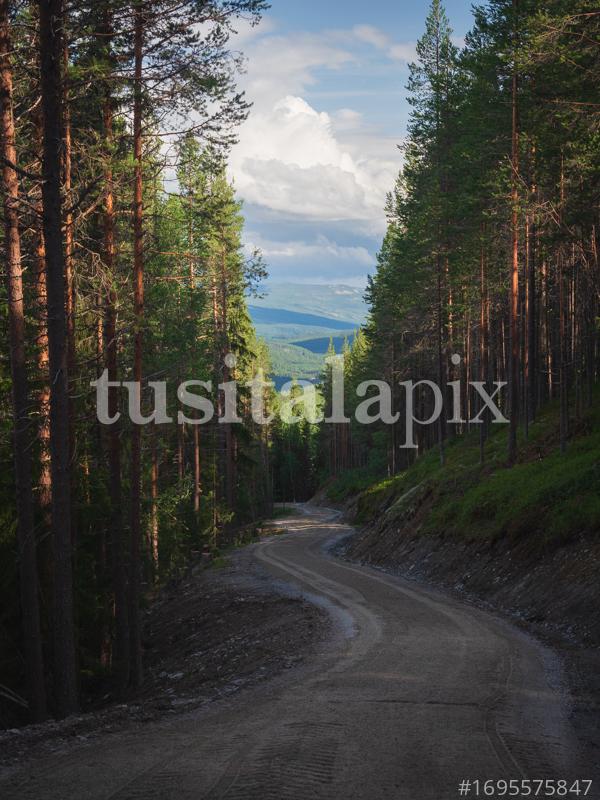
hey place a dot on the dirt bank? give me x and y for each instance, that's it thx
(205, 638)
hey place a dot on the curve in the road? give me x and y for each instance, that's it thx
(420, 692)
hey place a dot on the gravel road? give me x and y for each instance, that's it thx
(413, 692)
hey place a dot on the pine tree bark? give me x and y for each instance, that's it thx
(180, 450)
(562, 379)
(117, 535)
(549, 359)
(68, 235)
(28, 577)
(532, 331)
(440, 360)
(196, 438)
(230, 462)
(562, 327)
(483, 345)
(514, 268)
(45, 480)
(216, 432)
(44, 487)
(154, 529)
(197, 470)
(138, 309)
(65, 673)
(532, 322)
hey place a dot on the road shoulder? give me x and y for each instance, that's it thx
(207, 638)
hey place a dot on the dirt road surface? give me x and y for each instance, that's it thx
(412, 693)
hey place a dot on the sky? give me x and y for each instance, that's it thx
(319, 150)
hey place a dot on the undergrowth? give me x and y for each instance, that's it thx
(553, 496)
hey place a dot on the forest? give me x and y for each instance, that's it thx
(123, 255)
(491, 252)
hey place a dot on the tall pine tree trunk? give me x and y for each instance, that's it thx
(69, 247)
(230, 461)
(117, 536)
(154, 525)
(483, 345)
(196, 437)
(532, 322)
(43, 398)
(65, 673)
(562, 369)
(138, 309)
(44, 481)
(180, 450)
(440, 359)
(28, 577)
(562, 327)
(514, 267)
(216, 432)
(197, 470)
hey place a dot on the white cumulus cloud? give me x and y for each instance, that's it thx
(319, 165)
(290, 160)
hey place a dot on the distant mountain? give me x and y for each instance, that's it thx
(290, 333)
(298, 321)
(334, 301)
(282, 316)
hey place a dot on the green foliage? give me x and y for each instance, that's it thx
(351, 482)
(289, 361)
(293, 458)
(547, 498)
(442, 278)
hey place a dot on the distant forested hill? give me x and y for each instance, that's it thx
(280, 316)
(299, 320)
(320, 346)
(334, 301)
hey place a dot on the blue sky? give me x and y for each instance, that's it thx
(319, 151)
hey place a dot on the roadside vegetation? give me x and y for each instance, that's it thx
(550, 497)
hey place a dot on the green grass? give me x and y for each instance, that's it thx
(547, 495)
(350, 483)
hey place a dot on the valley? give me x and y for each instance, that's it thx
(298, 322)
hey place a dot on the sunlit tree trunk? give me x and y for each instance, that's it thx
(138, 309)
(117, 534)
(532, 316)
(154, 530)
(43, 399)
(28, 577)
(514, 267)
(196, 437)
(70, 297)
(65, 674)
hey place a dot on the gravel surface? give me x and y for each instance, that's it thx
(411, 692)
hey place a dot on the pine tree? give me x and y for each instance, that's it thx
(28, 572)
